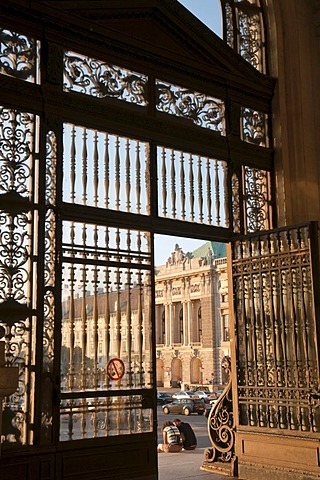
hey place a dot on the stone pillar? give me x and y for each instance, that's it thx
(171, 329)
(167, 324)
(185, 323)
(189, 321)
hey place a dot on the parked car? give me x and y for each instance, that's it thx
(185, 406)
(163, 398)
(181, 394)
(212, 402)
(198, 394)
(216, 396)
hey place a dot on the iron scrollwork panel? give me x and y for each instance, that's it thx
(98, 79)
(204, 110)
(18, 148)
(244, 30)
(257, 199)
(19, 56)
(254, 127)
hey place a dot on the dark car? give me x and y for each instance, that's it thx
(163, 398)
(185, 406)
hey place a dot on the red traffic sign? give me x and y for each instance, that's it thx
(115, 369)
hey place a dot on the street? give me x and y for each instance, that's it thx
(187, 464)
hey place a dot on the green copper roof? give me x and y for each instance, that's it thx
(218, 250)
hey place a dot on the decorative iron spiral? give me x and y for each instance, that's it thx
(221, 424)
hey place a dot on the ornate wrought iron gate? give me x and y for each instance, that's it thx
(103, 143)
(276, 345)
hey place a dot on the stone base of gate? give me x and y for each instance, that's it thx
(263, 472)
(277, 456)
(220, 468)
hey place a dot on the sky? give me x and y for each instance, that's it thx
(209, 12)
(164, 246)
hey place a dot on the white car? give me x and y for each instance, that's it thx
(217, 395)
(181, 394)
(200, 394)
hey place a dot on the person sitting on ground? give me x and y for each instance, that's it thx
(172, 442)
(189, 440)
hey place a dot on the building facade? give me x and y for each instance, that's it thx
(192, 317)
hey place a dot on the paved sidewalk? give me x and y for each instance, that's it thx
(185, 466)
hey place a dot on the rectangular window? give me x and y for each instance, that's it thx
(224, 298)
(225, 328)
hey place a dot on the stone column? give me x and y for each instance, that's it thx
(185, 323)
(167, 325)
(189, 322)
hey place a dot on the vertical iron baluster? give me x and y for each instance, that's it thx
(84, 282)
(95, 170)
(138, 177)
(280, 325)
(128, 184)
(107, 319)
(106, 171)
(73, 164)
(95, 268)
(164, 182)
(147, 178)
(117, 174)
(148, 328)
(83, 369)
(129, 322)
(299, 324)
(217, 193)
(83, 327)
(273, 417)
(173, 185)
(71, 372)
(84, 167)
(95, 315)
(191, 182)
(225, 194)
(200, 192)
(183, 187)
(290, 320)
(118, 313)
(140, 328)
(208, 182)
